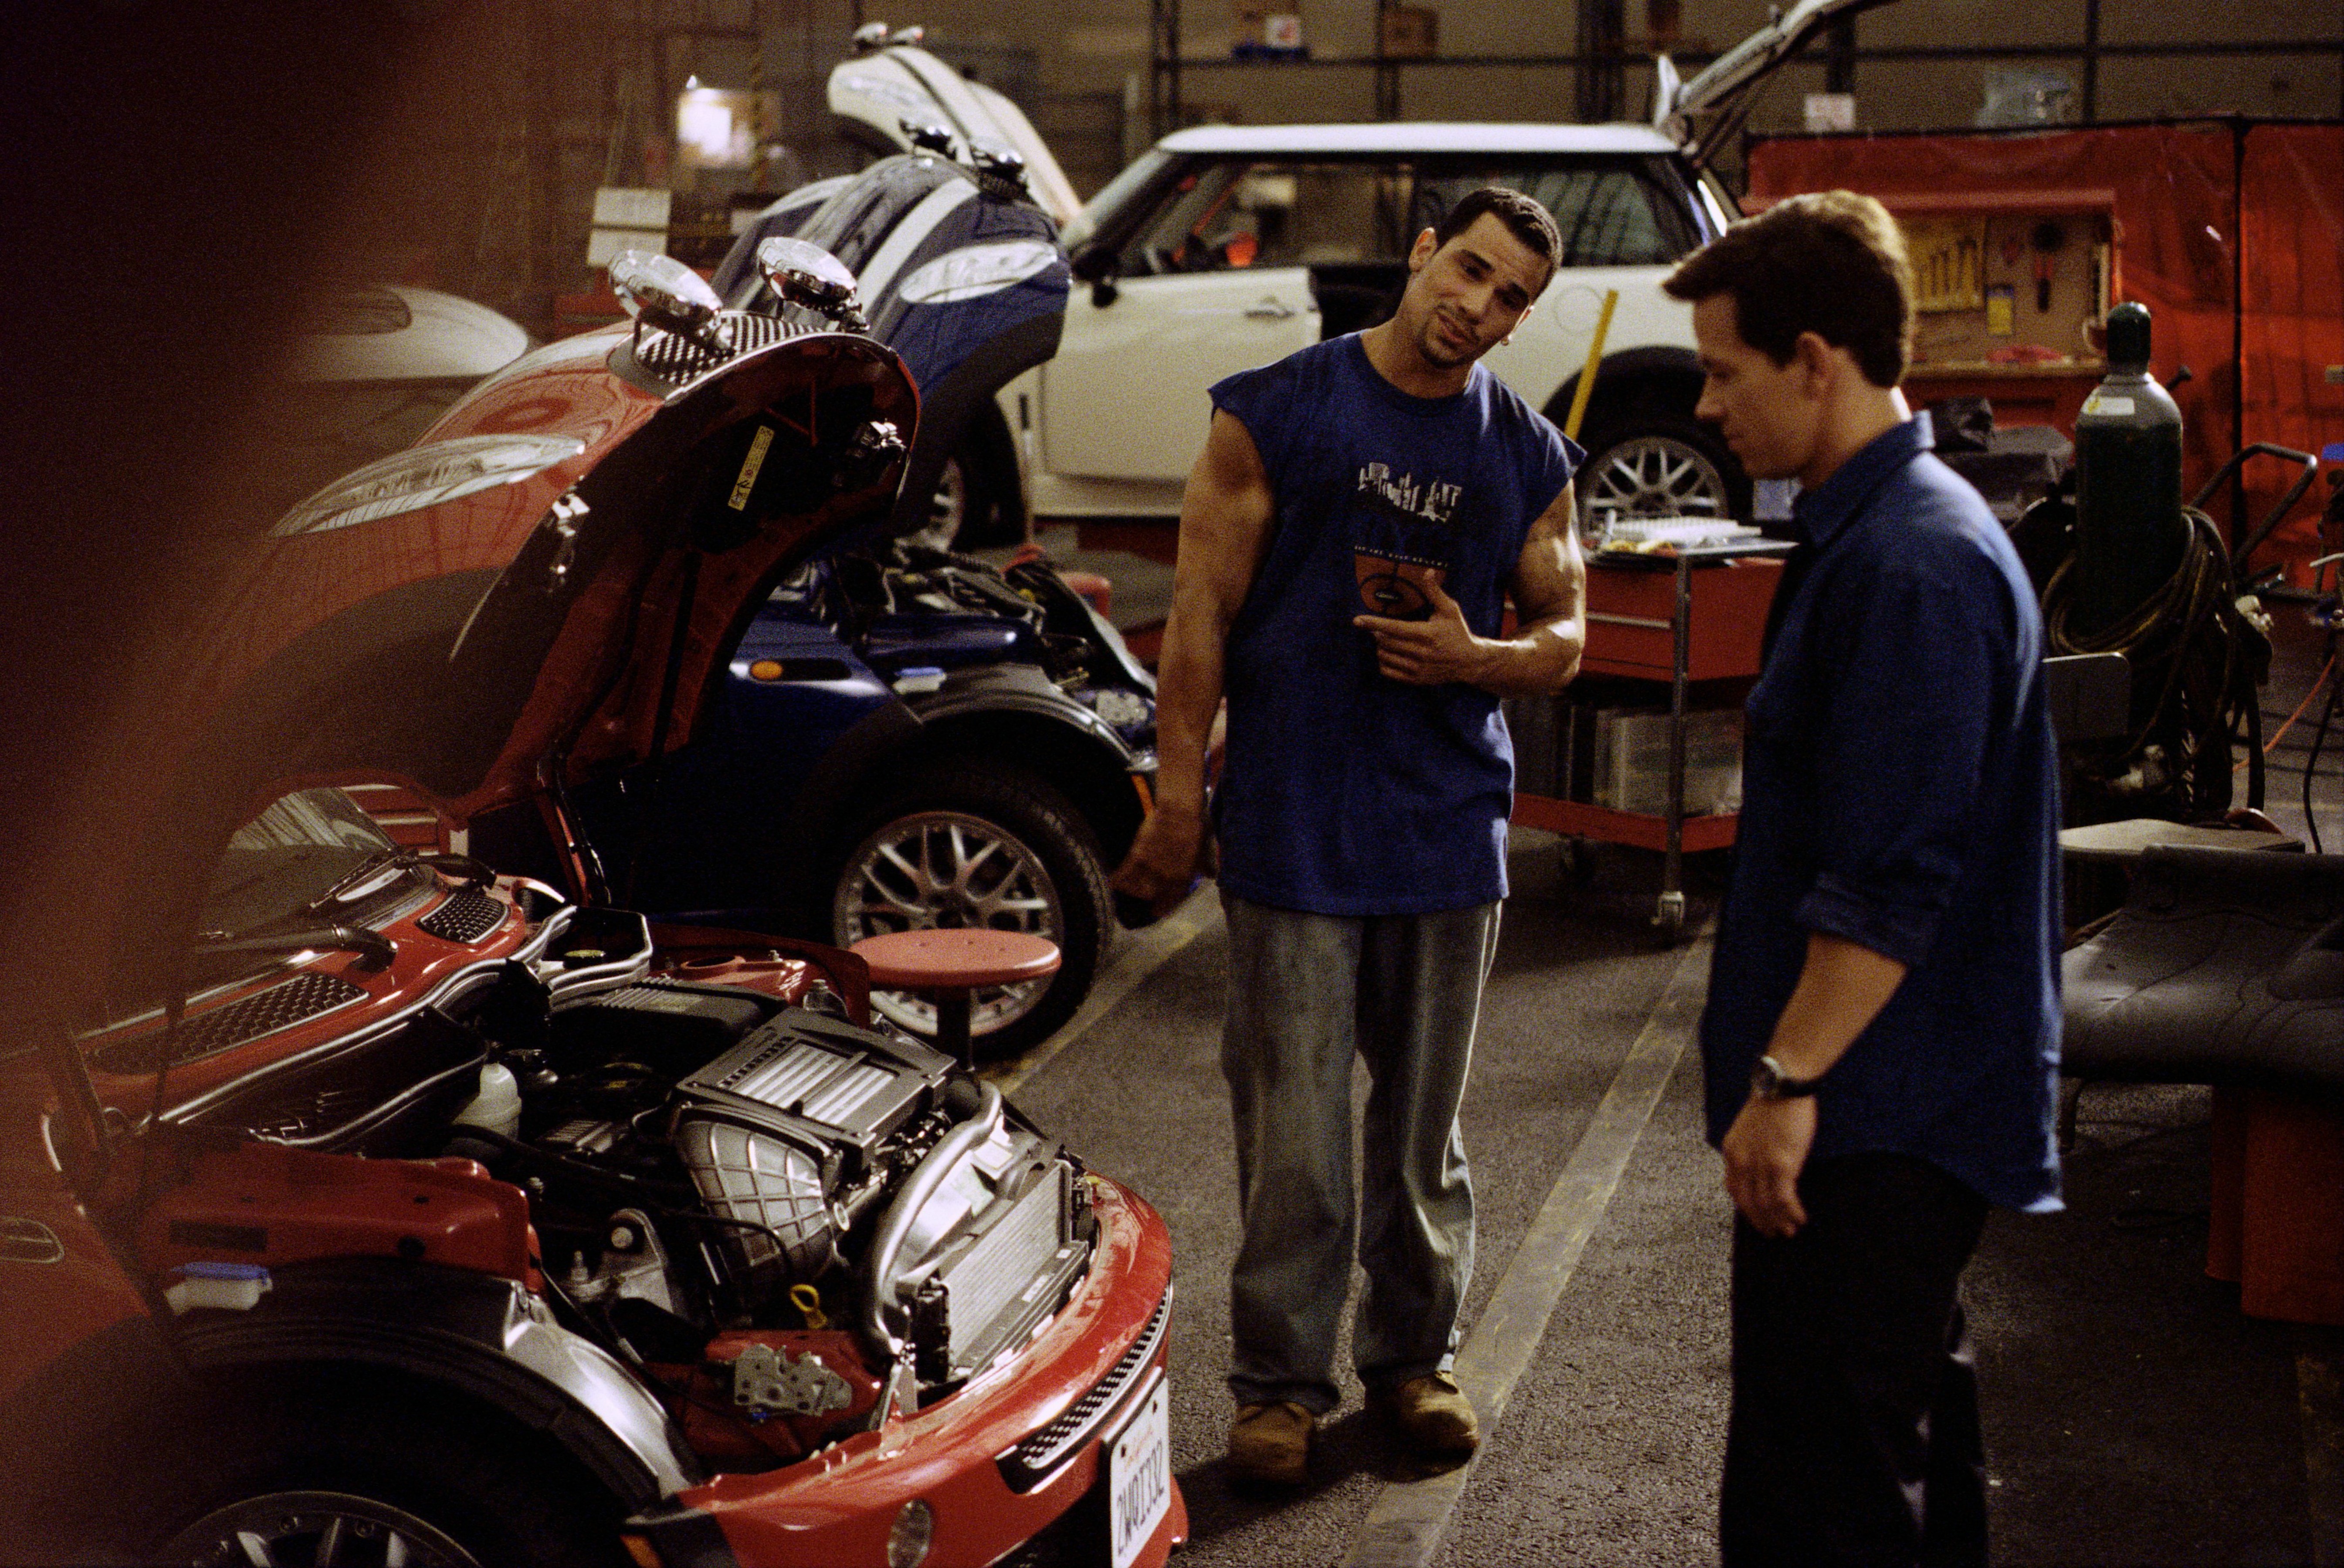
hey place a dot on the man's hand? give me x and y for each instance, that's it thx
(1765, 1150)
(1430, 652)
(1171, 848)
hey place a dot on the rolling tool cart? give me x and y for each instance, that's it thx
(1690, 618)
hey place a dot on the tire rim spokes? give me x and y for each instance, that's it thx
(947, 508)
(315, 1530)
(1653, 476)
(946, 868)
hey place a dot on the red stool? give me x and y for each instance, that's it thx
(946, 965)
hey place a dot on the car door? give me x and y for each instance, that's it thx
(1215, 281)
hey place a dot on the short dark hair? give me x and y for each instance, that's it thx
(1833, 263)
(1525, 216)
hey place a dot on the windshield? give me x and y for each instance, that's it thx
(288, 856)
(1612, 209)
(1117, 191)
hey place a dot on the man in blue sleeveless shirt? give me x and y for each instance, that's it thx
(1361, 513)
(1882, 1031)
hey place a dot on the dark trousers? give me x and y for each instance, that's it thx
(1854, 1440)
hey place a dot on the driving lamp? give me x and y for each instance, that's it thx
(915, 1529)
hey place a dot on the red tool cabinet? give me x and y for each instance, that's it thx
(1694, 630)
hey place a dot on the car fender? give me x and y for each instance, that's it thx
(1015, 689)
(1656, 372)
(843, 779)
(480, 1337)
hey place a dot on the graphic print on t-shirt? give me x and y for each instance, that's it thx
(1403, 540)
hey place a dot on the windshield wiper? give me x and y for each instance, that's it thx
(381, 861)
(378, 948)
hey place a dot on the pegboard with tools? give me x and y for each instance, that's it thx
(2014, 281)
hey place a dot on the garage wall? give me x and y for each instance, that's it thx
(549, 99)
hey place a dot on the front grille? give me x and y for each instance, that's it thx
(1025, 1466)
(280, 1007)
(673, 357)
(466, 917)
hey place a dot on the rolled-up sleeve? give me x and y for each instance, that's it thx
(1902, 749)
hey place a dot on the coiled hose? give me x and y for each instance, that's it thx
(2194, 646)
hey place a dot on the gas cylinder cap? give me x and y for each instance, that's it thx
(2128, 336)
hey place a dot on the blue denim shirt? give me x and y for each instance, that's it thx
(1898, 791)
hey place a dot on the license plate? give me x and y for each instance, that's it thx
(1139, 1477)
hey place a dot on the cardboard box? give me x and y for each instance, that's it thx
(1410, 32)
(1632, 761)
(1266, 29)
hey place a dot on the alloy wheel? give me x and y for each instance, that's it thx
(947, 508)
(1653, 476)
(948, 869)
(315, 1530)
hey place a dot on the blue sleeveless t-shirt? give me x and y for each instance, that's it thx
(1343, 792)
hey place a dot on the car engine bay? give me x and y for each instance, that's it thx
(784, 1223)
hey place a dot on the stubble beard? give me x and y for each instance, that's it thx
(1436, 354)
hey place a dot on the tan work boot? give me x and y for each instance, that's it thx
(1432, 1415)
(1271, 1443)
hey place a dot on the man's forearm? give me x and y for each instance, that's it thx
(1187, 696)
(1841, 989)
(1540, 658)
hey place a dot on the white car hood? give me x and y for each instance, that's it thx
(397, 334)
(1724, 88)
(887, 87)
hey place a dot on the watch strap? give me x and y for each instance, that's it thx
(1769, 1081)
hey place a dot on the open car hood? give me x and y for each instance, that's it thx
(551, 579)
(963, 275)
(873, 93)
(1706, 111)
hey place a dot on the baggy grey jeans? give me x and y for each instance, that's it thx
(1305, 991)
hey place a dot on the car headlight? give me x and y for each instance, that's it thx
(1121, 709)
(424, 476)
(915, 1529)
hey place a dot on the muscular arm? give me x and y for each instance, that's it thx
(1225, 517)
(1549, 586)
(1841, 989)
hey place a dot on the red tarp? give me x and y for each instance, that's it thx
(2186, 195)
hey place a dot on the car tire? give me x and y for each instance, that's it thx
(967, 843)
(345, 1479)
(1659, 465)
(974, 506)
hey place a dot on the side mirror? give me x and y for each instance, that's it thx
(805, 275)
(1094, 265)
(663, 292)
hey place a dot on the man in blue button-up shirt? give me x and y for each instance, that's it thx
(1881, 1038)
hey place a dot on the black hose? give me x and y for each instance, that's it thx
(2189, 627)
(2311, 763)
(634, 1186)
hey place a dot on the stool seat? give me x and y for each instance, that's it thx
(947, 964)
(2124, 841)
(964, 958)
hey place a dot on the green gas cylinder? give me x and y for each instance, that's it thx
(2130, 535)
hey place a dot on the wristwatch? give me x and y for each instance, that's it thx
(1769, 1081)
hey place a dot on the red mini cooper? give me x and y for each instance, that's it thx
(399, 1212)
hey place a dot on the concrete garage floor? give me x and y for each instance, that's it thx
(2134, 1416)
